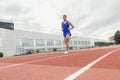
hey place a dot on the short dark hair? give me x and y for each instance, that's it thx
(65, 15)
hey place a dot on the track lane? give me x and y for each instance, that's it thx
(106, 69)
(53, 69)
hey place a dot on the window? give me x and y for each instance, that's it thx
(50, 42)
(7, 25)
(82, 42)
(57, 42)
(63, 42)
(75, 42)
(40, 42)
(27, 42)
(79, 43)
(70, 42)
(88, 42)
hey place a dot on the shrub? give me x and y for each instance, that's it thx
(1, 54)
(54, 49)
(117, 37)
(29, 52)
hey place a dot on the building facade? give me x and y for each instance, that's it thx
(13, 40)
(18, 42)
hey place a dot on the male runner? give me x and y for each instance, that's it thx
(66, 32)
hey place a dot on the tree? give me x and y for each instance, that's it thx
(117, 37)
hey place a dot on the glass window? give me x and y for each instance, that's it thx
(27, 42)
(63, 42)
(57, 42)
(40, 42)
(82, 42)
(75, 42)
(85, 42)
(88, 42)
(79, 43)
(50, 42)
(7, 25)
(70, 42)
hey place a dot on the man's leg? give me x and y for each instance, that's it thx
(67, 42)
(67, 46)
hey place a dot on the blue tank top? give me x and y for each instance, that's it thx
(65, 26)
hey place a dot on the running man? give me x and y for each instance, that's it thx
(66, 32)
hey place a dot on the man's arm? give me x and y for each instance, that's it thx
(71, 26)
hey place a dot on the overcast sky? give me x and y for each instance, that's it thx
(92, 18)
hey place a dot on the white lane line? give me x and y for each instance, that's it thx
(81, 71)
(28, 62)
(14, 65)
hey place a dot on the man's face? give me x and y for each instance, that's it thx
(64, 18)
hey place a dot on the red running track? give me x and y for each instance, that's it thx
(57, 66)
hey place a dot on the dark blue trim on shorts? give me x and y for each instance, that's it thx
(66, 33)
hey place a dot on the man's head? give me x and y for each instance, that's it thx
(64, 17)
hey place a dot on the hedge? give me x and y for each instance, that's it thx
(1, 54)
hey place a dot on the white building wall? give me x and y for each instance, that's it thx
(11, 39)
(0, 42)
